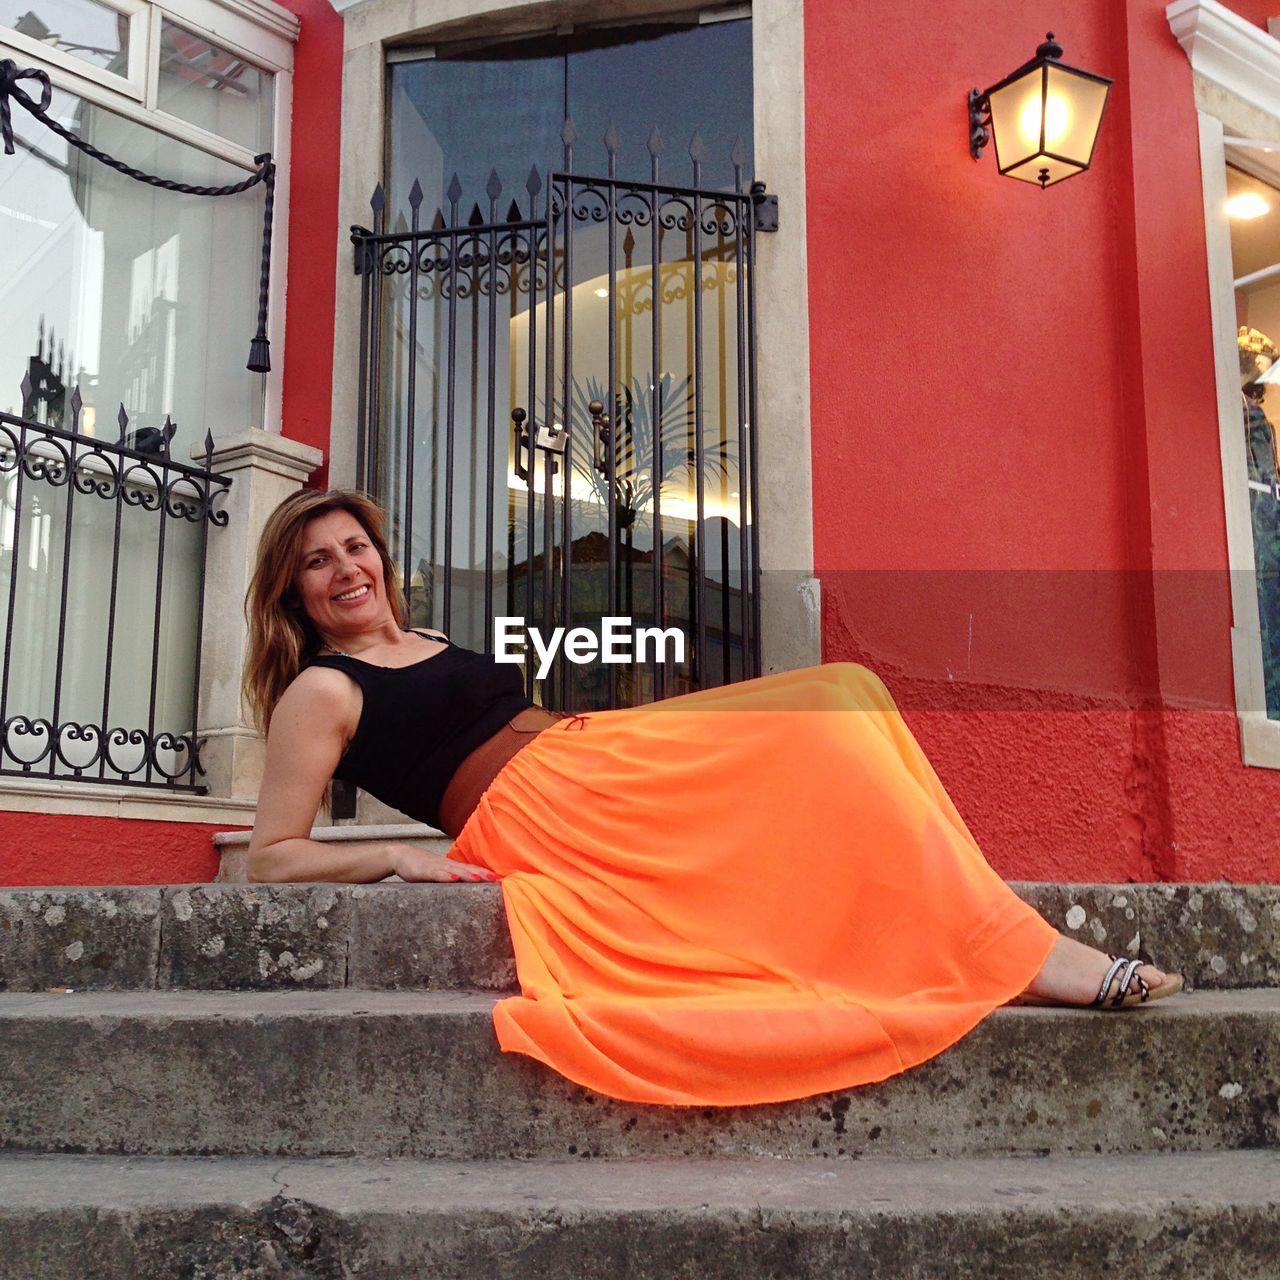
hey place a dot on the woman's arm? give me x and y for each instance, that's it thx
(309, 732)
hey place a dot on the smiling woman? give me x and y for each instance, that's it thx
(654, 963)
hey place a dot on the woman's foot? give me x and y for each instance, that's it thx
(1073, 975)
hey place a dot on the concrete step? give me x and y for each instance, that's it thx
(1139, 1217)
(396, 936)
(419, 1075)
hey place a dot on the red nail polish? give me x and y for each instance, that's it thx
(455, 876)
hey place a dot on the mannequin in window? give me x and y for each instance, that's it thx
(1257, 360)
(1257, 356)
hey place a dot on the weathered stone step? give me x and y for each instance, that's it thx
(394, 936)
(419, 1075)
(1073, 1218)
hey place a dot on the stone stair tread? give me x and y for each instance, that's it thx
(886, 1186)
(224, 1005)
(1144, 1217)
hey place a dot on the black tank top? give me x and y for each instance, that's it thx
(420, 722)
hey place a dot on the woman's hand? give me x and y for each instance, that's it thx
(419, 866)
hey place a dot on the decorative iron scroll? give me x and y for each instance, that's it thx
(134, 471)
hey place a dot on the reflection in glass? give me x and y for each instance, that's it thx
(490, 320)
(84, 28)
(209, 86)
(136, 295)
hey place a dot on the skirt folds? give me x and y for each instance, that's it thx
(744, 895)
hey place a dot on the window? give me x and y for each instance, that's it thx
(140, 296)
(1236, 70)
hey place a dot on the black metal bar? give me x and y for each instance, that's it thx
(700, 526)
(454, 192)
(615, 435)
(411, 411)
(206, 508)
(111, 618)
(530, 428)
(739, 253)
(566, 461)
(162, 511)
(659, 579)
(371, 477)
(430, 234)
(491, 432)
(13, 585)
(55, 716)
(752, 421)
(365, 256)
(549, 384)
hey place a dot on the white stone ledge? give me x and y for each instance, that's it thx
(89, 800)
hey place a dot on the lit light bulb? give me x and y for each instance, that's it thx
(1057, 119)
(1248, 205)
(602, 293)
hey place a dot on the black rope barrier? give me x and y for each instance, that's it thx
(11, 91)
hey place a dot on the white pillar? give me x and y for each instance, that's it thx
(265, 468)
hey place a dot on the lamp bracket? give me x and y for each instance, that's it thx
(979, 122)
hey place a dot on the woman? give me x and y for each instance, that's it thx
(743, 895)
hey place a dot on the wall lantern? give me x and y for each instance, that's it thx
(1044, 118)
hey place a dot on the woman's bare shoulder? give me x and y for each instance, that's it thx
(321, 690)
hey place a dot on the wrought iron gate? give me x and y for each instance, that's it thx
(546, 458)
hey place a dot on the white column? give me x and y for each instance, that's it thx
(265, 468)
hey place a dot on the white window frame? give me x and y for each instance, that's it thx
(259, 31)
(1242, 59)
(132, 85)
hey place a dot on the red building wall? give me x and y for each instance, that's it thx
(1017, 487)
(1017, 484)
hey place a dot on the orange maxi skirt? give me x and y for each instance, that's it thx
(742, 895)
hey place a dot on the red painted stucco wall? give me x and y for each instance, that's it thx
(42, 848)
(1018, 512)
(313, 225)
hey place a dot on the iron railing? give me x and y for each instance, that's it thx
(633, 426)
(102, 572)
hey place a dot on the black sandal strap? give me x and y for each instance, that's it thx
(1117, 964)
(1122, 991)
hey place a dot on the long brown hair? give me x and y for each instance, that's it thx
(282, 638)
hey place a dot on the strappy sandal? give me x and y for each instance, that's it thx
(1124, 997)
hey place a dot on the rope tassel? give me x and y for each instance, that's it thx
(10, 92)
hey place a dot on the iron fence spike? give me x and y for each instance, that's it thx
(438, 222)
(533, 183)
(697, 148)
(477, 218)
(611, 138)
(454, 190)
(25, 386)
(208, 447)
(415, 194)
(513, 214)
(568, 134)
(493, 188)
(123, 419)
(655, 144)
(76, 403)
(378, 201)
(739, 153)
